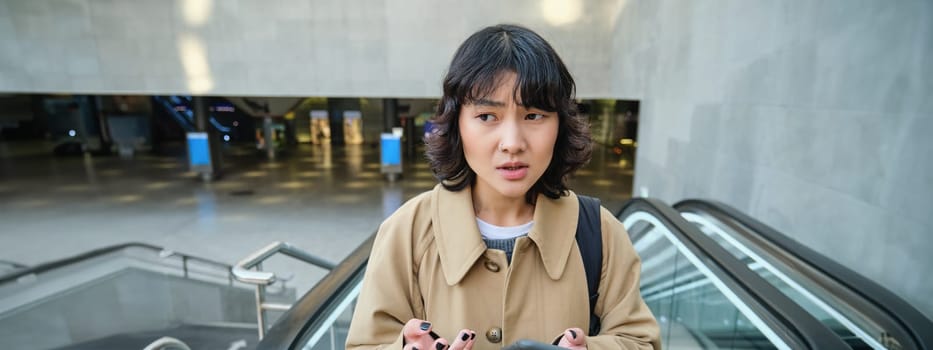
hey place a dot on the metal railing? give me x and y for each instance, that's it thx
(313, 311)
(167, 343)
(13, 264)
(70, 261)
(243, 272)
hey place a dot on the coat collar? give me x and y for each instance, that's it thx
(460, 244)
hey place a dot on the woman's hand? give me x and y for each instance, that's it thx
(464, 341)
(573, 338)
(419, 336)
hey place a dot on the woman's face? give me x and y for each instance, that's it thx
(507, 145)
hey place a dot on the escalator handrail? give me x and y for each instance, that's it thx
(169, 108)
(307, 313)
(13, 264)
(45, 267)
(189, 124)
(908, 317)
(792, 319)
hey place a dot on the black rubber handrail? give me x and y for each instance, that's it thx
(38, 269)
(787, 319)
(916, 327)
(308, 313)
(169, 109)
(13, 264)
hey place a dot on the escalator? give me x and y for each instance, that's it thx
(166, 106)
(704, 298)
(863, 313)
(182, 110)
(228, 122)
(713, 277)
(125, 297)
(701, 295)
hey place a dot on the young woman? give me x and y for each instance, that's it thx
(489, 256)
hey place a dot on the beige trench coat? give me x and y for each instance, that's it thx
(429, 262)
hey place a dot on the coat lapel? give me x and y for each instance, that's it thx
(459, 242)
(554, 231)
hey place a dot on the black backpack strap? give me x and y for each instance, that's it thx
(590, 241)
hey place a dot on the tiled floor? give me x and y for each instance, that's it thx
(325, 200)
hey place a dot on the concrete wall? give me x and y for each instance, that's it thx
(815, 117)
(382, 48)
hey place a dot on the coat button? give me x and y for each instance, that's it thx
(494, 335)
(492, 266)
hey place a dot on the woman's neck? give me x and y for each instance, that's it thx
(500, 210)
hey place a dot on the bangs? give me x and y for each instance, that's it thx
(529, 93)
(539, 80)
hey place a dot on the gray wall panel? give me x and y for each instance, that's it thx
(813, 117)
(286, 47)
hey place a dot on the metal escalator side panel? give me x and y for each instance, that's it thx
(109, 291)
(793, 324)
(657, 291)
(846, 323)
(904, 324)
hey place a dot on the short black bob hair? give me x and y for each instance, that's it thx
(542, 81)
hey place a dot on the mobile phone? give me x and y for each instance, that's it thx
(525, 344)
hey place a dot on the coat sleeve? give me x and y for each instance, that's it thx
(627, 323)
(389, 296)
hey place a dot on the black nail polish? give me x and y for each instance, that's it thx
(440, 346)
(573, 334)
(472, 335)
(414, 348)
(434, 336)
(465, 336)
(425, 326)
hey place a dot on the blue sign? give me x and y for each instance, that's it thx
(199, 152)
(391, 149)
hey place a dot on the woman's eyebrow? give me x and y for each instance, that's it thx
(488, 103)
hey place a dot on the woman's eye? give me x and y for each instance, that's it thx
(486, 117)
(534, 116)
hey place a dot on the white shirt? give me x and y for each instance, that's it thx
(490, 231)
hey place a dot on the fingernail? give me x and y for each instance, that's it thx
(425, 326)
(465, 336)
(440, 346)
(414, 348)
(573, 334)
(434, 336)
(472, 335)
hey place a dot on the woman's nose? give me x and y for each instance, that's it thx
(512, 139)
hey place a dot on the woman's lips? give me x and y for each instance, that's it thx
(517, 172)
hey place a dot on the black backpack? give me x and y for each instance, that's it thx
(590, 241)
